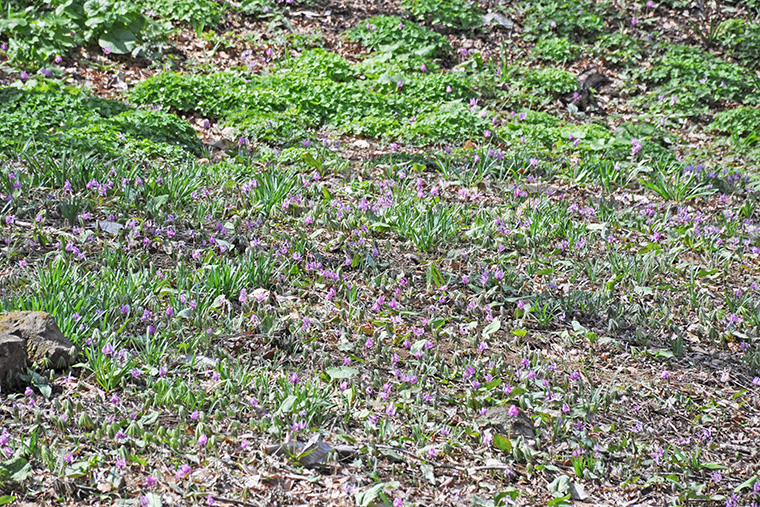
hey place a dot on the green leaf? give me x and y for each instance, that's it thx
(427, 471)
(713, 466)
(185, 314)
(562, 501)
(520, 333)
(578, 327)
(149, 419)
(746, 484)
(491, 328)
(312, 162)
(560, 484)
(511, 493)
(287, 404)
(341, 372)
(15, 469)
(367, 497)
(502, 443)
(119, 41)
(7, 499)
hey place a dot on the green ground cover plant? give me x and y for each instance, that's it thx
(47, 113)
(689, 81)
(421, 257)
(39, 33)
(556, 49)
(318, 89)
(449, 13)
(574, 20)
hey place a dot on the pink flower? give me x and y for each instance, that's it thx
(513, 411)
(184, 471)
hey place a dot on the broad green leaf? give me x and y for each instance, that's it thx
(502, 443)
(15, 469)
(287, 404)
(491, 328)
(746, 484)
(560, 484)
(119, 41)
(149, 419)
(367, 497)
(341, 372)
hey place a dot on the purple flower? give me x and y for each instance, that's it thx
(513, 411)
(184, 471)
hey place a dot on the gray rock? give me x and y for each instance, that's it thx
(577, 492)
(502, 422)
(45, 344)
(12, 356)
(493, 18)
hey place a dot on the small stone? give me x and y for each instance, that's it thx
(360, 144)
(493, 18)
(229, 133)
(502, 422)
(12, 356)
(44, 341)
(577, 492)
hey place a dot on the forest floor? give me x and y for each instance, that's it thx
(382, 253)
